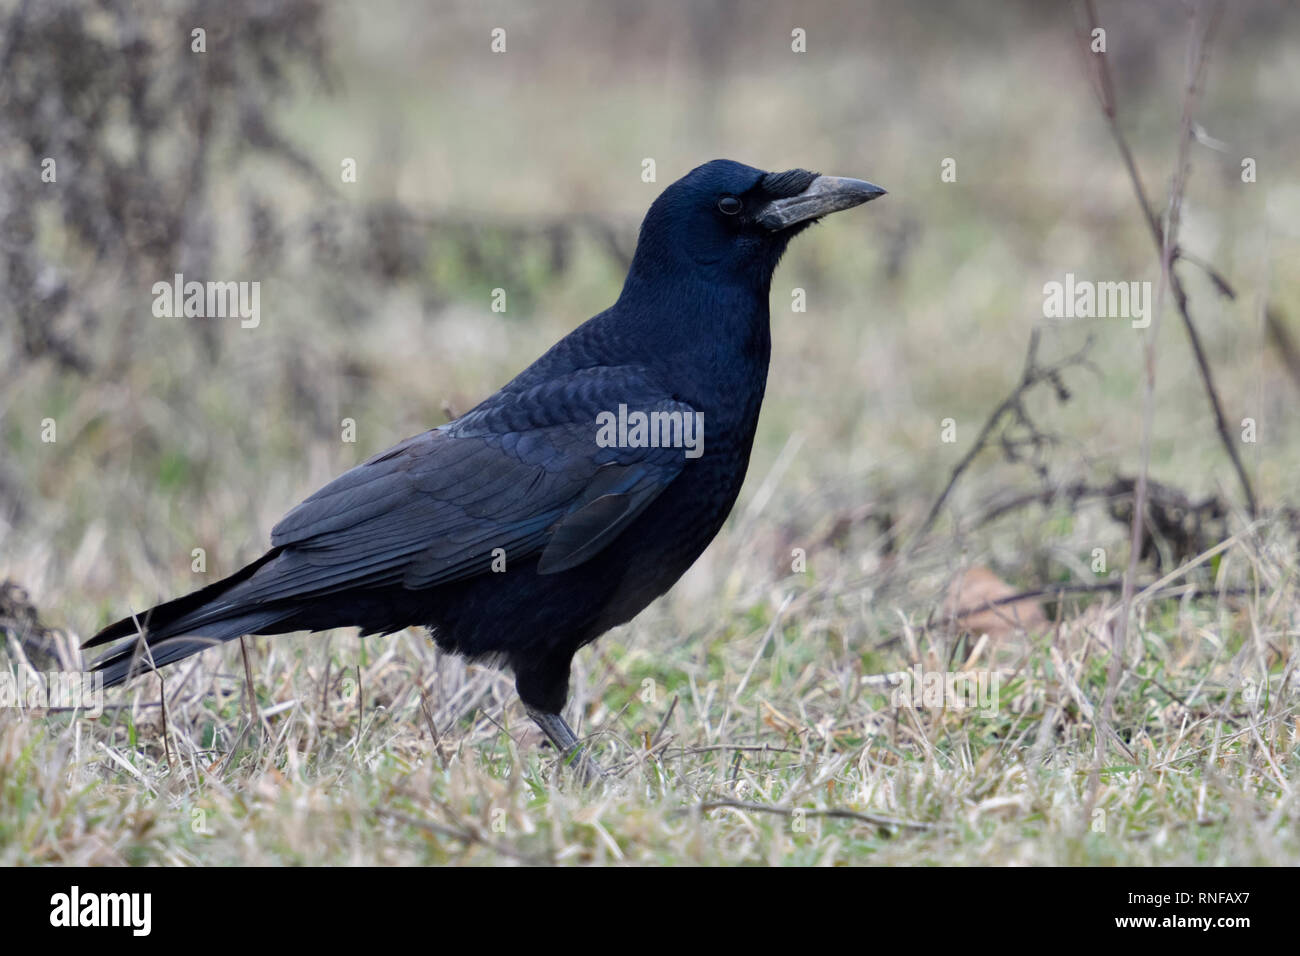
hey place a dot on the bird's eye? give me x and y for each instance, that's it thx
(729, 205)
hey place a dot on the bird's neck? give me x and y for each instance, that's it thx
(710, 335)
(681, 314)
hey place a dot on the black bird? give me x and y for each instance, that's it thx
(553, 511)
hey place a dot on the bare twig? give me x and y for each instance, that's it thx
(1012, 406)
(663, 723)
(1188, 525)
(1104, 87)
(433, 728)
(1202, 29)
(256, 715)
(162, 703)
(1198, 42)
(874, 819)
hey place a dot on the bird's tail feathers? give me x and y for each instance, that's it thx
(184, 626)
(154, 650)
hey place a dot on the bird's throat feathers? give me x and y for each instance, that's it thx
(698, 322)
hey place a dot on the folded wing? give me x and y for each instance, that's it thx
(525, 475)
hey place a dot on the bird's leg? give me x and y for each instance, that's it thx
(566, 742)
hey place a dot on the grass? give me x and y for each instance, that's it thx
(759, 709)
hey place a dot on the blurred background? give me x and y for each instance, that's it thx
(522, 170)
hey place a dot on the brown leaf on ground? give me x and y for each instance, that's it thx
(973, 592)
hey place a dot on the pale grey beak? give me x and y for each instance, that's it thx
(824, 195)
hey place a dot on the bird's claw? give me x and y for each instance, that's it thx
(573, 751)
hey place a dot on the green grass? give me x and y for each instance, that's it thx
(338, 777)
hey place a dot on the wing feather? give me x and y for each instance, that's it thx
(523, 473)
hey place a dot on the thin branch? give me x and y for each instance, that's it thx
(874, 819)
(162, 703)
(1099, 70)
(256, 715)
(1202, 29)
(663, 724)
(1012, 406)
(433, 728)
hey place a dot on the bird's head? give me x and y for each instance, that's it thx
(732, 221)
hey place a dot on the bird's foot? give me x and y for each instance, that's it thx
(572, 750)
